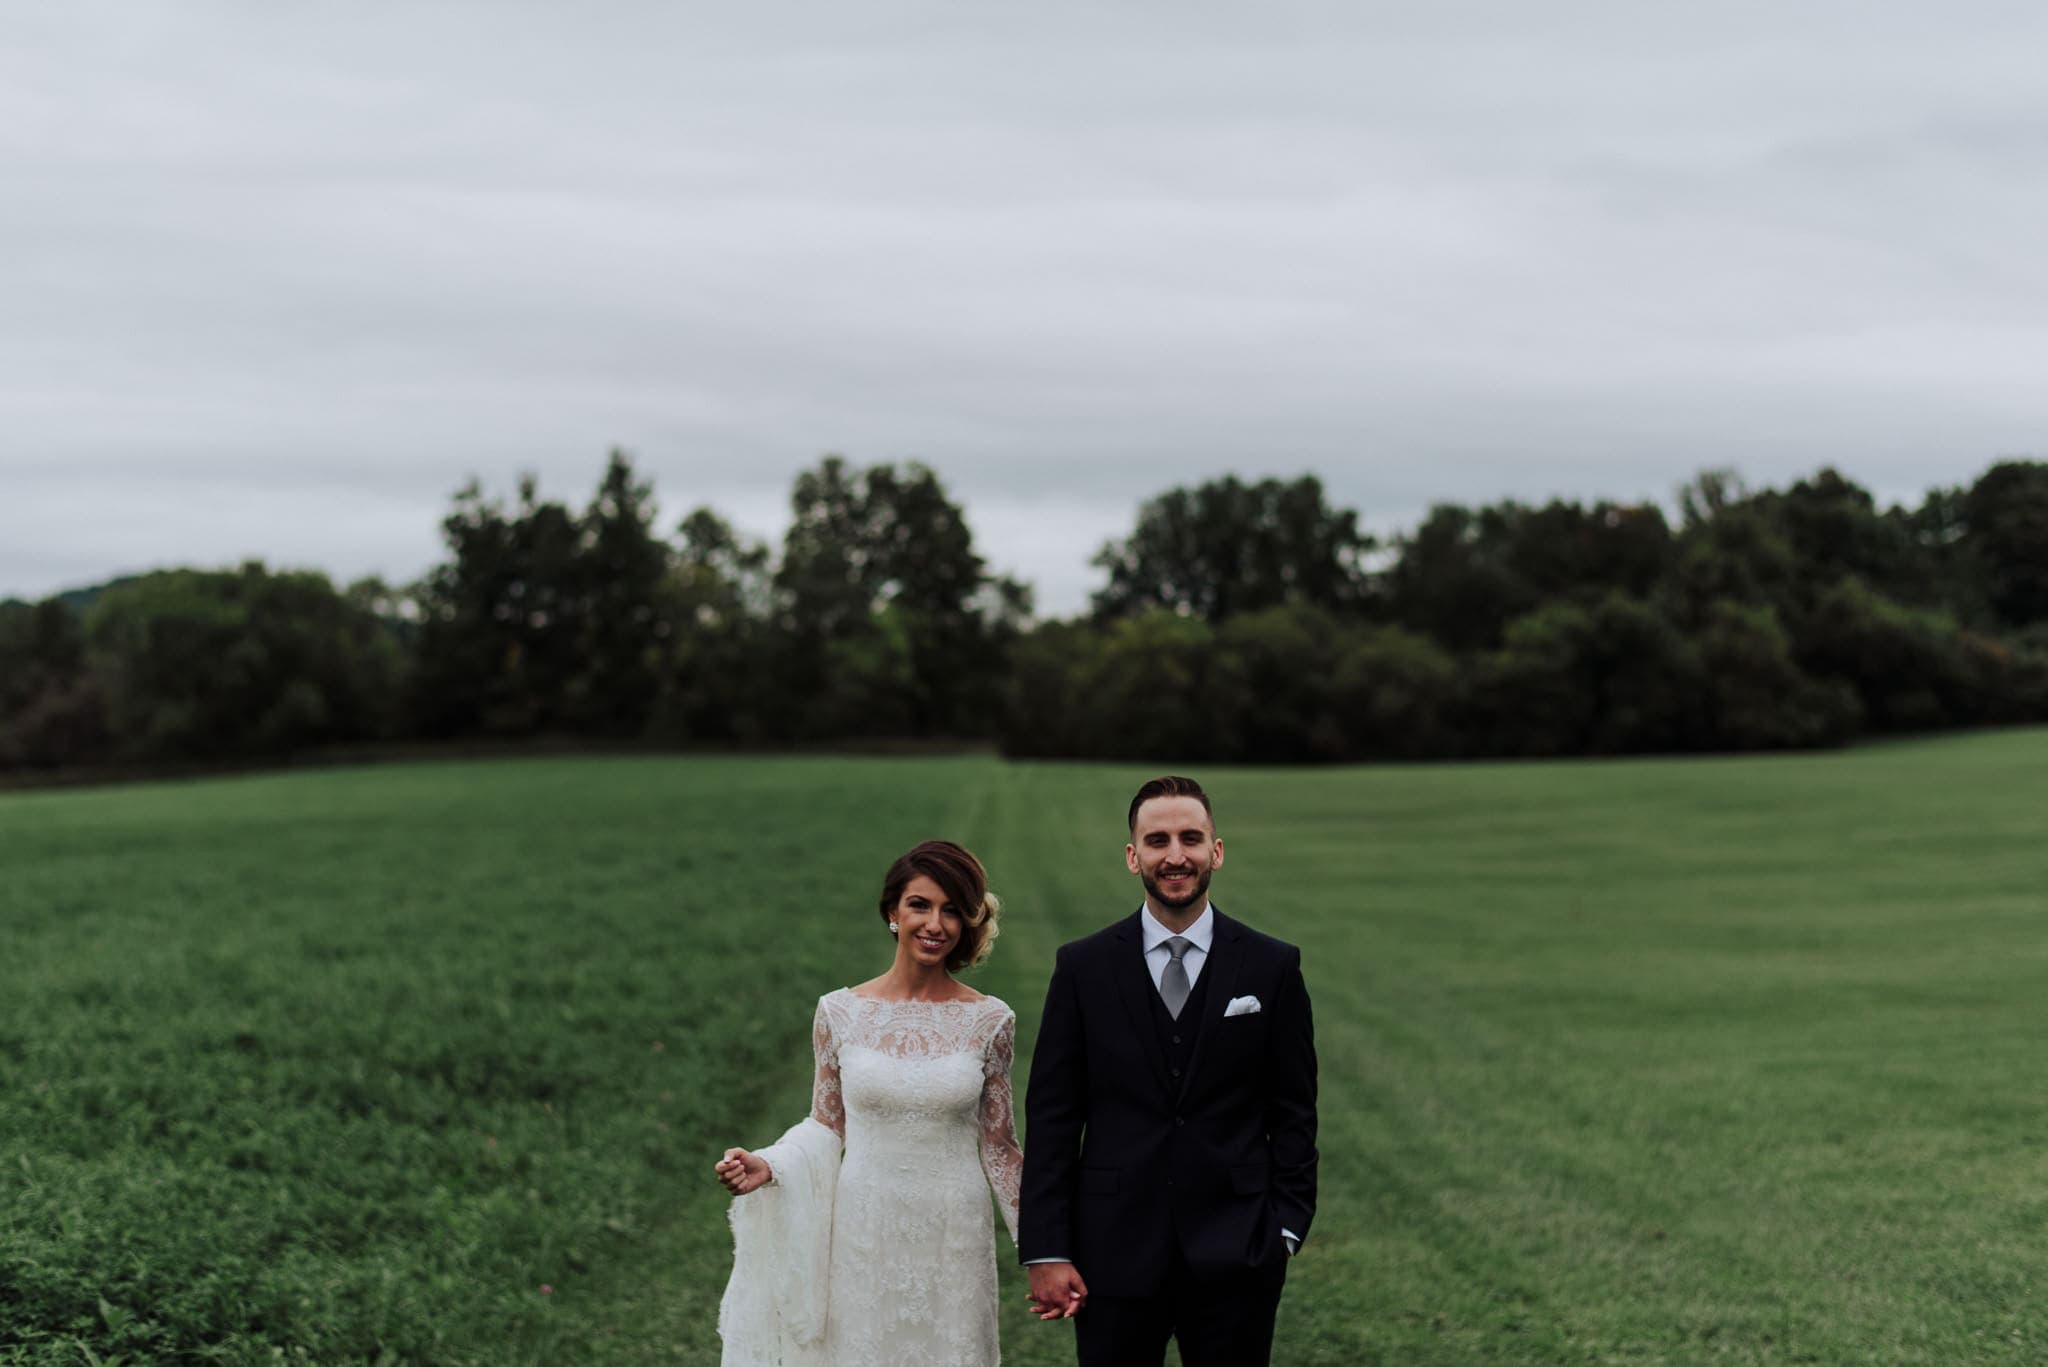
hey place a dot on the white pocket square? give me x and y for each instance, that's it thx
(1242, 1006)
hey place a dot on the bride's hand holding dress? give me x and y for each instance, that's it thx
(743, 1172)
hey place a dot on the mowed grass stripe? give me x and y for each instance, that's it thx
(1054, 844)
(1673, 1061)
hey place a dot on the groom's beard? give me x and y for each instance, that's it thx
(1181, 903)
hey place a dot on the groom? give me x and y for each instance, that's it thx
(1170, 1157)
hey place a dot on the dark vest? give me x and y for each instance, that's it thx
(1177, 1037)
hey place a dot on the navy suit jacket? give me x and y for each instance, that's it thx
(1122, 1162)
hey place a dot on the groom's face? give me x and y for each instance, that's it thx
(1173, 851)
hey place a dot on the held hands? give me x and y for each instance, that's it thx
(742, 1172)
(1057, 1291)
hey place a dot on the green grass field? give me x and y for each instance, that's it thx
(1725, 1060)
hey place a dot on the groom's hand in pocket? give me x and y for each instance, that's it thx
(1057, 1291)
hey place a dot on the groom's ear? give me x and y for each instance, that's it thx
(1131, 858)
(1217, 862)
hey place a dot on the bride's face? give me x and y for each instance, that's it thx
(927, 925)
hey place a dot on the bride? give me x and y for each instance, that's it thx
(887, 1257)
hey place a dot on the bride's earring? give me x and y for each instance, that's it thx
(892, 927)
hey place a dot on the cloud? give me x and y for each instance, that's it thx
(279, 281)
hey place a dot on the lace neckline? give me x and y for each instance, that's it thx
(912, 1001)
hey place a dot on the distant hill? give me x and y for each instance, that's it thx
(78, 600)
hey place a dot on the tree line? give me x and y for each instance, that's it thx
(1238, 620)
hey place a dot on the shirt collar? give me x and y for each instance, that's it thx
(1197, 935)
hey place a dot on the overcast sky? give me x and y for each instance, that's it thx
(275, 279)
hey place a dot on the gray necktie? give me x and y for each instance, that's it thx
(1173, 983)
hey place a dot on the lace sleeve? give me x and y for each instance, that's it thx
(828, 1108)
(1001, 1159)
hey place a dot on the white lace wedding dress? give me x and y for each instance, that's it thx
(919, 1095)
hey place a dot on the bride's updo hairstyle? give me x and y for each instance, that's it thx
(964, 882)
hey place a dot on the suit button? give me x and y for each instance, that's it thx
(1176, 1039)
(1177, 1120)
(1176, 1072)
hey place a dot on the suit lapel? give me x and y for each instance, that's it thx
(1134, 984)
(1225, 956)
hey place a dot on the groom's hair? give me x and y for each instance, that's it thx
(1171, 785)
